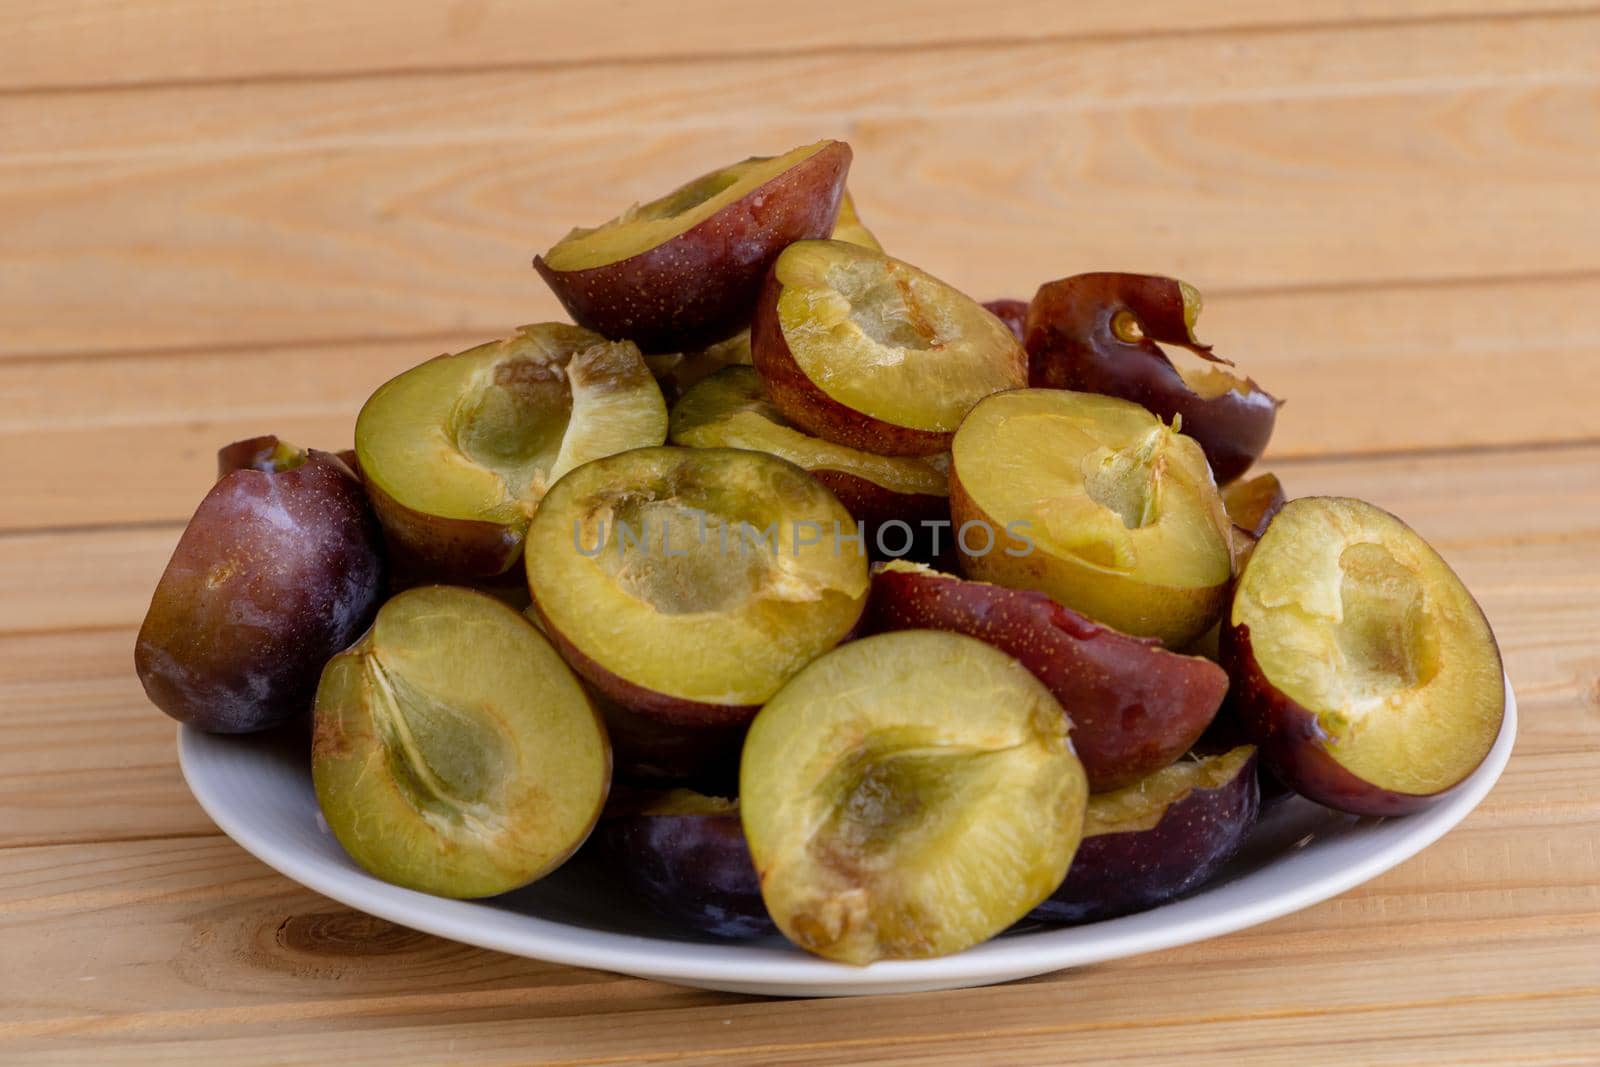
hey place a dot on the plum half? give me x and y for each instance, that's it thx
(1096, 502)
(1014, 313)
(1159, 838)
(866, 351)
(458, 452)
(688, 584)
(1135, 707)
(1098, 333)
(280, 567)
(731, 410)
(454, 753)
(683, 853)
(683, 271)
(1361, 665)
(909, 795)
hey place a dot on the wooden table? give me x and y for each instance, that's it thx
(231, 218)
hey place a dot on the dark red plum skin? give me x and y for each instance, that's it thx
(694, 869)
(1135, 706)
(1014, 313)
(1071, 345)
(1118, 874)
(700, 287)
(1294, 746)
(275, 574)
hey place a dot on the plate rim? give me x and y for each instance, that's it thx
(760, 968)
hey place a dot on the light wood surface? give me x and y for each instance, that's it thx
(228, 218)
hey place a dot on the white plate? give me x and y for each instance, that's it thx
(258, 791)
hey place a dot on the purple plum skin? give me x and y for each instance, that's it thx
(693, 869)
(1118, 874)
(276, 573)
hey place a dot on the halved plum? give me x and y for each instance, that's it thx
(866, 351)
(1014, 313)
(280, 567)
(1252, 502)
(1096, 502)
(1361, 665)
(909, 795)
(731, 410)
(850, 228)
(688, 584)
(1159, 838)
(1135, 707)
(454, 752)
(458, 452)
(683, 853)
(682, 272)
(1098, 333)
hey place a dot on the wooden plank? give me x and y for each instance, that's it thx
(1362, 371)
(195, 942)
(376, 208)
(102, 42)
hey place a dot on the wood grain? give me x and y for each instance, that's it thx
(375, 208)
(1357, 367)
(164, 41)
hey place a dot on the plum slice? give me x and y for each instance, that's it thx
(1361, 665)
(909, 795)
(1096, 502)
(1098, 333)
(458, 452)
(683, 271)
(1135, 707)
(1252, 502)
(866, 351)
(1153, 841)
(454, 752)
(280, 567)
(688, 584)
(731, 410)
(683, 853)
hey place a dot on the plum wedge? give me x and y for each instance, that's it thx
(454, 752)
(683, 271)
(1361, 665)
(866, 351)
(683, 853)
(731, 410)
(280, 567)
(1135, 707)
(909, 795)
(1098, 333)
(1153, 841)
(1096, 502)
(458, 452)
(688, 584)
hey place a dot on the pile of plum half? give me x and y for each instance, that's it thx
(897, 618)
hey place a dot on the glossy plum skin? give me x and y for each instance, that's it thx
(1117, 874)
(1292, 743)
(1014, 313)
(692, 868)
(1072, 344)
(1135, 706)
(645, 750)
(275, 573)
(699, 287)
